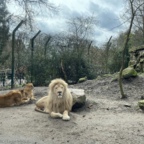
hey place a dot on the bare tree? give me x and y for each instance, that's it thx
(31, 8)
(81, 30)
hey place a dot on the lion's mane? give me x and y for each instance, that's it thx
(59, 105)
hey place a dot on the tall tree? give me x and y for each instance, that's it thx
(4, 25)
(80, 40)
(139, 18)
(133, 8)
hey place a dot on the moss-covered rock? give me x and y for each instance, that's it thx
(134, 49)
(142, 60)
(82, 79)
(129, 72)
(115, 77)
(141, 104)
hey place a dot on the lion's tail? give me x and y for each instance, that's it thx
(39, 110)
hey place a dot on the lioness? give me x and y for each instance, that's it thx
(17, 97)
(59, 101)
(27, 92)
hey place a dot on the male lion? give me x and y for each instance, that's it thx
(17, 97)
(59, 101)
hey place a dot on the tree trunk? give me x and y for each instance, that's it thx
(63, 70)
(123, 95)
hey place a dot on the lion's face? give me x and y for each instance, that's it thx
(29, 86)
(58, 90)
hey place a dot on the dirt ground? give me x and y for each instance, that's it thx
(105, 118)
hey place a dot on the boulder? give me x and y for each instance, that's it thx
(141, 104)
(129, 72)
(132, 62)
(82, 79)
(79, 98)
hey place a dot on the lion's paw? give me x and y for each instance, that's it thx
(66, 118)
(46, 110)
(60, 115)
(33, 98)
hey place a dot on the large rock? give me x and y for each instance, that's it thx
(83, 79)
(79, 98)
(132, 62)
(129, 72)
(141, 104)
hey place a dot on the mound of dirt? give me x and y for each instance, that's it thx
(106, 88)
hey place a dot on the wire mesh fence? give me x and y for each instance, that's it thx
(5, 79)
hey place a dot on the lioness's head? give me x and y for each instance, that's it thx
(58, 87)
(29, 86)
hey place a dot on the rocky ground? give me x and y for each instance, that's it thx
(105, 118)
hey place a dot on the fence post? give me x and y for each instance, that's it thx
(45, 46)
(13, 57)
(108, 45)
(32, 49)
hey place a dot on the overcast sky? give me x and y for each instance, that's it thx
(107, 13)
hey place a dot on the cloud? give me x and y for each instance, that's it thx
(101, 36)
(115, 5)
(50, 25)
(67, 12)
(106, 17)
(106, 11)
(94, 8)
